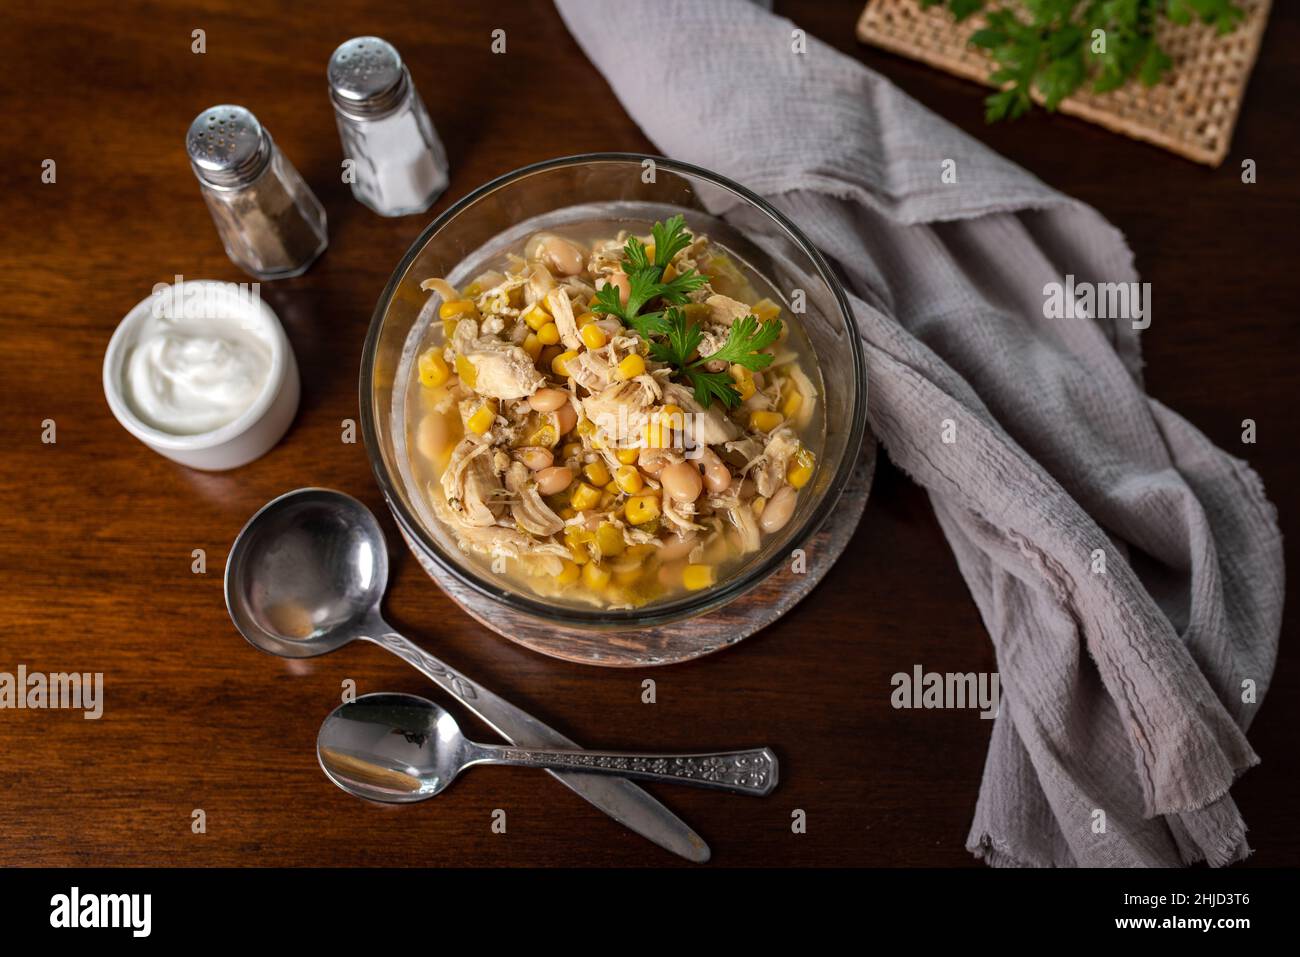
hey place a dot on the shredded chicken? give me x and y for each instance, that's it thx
(595, 471)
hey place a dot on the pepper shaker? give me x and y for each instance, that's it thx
(400, 166)
(270, 222)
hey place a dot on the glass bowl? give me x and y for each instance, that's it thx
(610, 187)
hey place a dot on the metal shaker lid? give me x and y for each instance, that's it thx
(227, 146)
(367, 77)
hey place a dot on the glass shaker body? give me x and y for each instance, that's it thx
(397, 163)
(270, 222)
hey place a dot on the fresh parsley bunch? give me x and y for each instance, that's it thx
(1053, 46)
(681, 338)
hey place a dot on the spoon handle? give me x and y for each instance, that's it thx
(740, 772)
(622, 800)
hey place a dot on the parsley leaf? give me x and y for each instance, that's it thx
(744, 341)
(670, 239)
(646, 277)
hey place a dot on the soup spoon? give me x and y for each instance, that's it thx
(306, 576)
(399, 748)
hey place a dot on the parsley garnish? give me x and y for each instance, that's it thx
(645, 278)
(1054, 47)
(680, 337)
(743, 346)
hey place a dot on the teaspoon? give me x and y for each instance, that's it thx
(399, 748)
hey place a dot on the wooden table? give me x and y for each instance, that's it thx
(97, 533)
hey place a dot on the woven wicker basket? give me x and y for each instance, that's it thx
(1192, 113)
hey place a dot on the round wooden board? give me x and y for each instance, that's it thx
(682, 640)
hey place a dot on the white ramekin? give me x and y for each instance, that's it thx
(236, 443)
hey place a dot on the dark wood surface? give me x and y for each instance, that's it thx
(96, 532)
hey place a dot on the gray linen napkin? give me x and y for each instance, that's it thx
(1122, 690)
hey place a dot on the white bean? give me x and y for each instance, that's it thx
(548, 400)
(566, 417)
(620, 281)
(717, 477)
(536, 457)
(551, 481)
(675, 548)
(682, 481)
(778, 509)
(561, 255)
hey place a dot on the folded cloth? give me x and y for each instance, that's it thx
(1129, 572)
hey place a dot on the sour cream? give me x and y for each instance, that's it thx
(194, 372)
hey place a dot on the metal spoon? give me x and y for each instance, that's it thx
(306, 576)
(400, 748)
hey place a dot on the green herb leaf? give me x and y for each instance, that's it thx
(747, 337)
(670, 239)
(713, 385)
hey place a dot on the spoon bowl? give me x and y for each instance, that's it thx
(306, 573)
(392, 748)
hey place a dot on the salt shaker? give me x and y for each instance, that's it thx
(269, 220)
(400, 166)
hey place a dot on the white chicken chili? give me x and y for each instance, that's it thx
(620, 418)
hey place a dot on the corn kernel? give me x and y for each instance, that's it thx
(544, 435)
(629, 479)
(695, 577)
(559, 365)
(593, 337)
(631, 367)
(791, 404)
(570, 574)
(584, 319)
(596, 473)
(765, 309)
(433, 368)
(474, 290)
(594, 576)
(628, 576)
(449, 328)
(482, 419)
(641, 509)
(650, 251)
(764, 420)
(536, 316)
(584, 497)
(580, 554)
(571, 450)
(744, 380)
(670, 273)
(566, 513)
(533, 346)
(612, 487)
(577, 535)
(585, 426)
(458, 309)
(549, 334)
(609, 539)
(627, 456)
(465, 369)
(801, 468)
(758, 505)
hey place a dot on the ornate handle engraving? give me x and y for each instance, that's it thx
(413, 654)
(745, 772)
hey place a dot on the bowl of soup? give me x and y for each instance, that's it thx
(611, 391)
